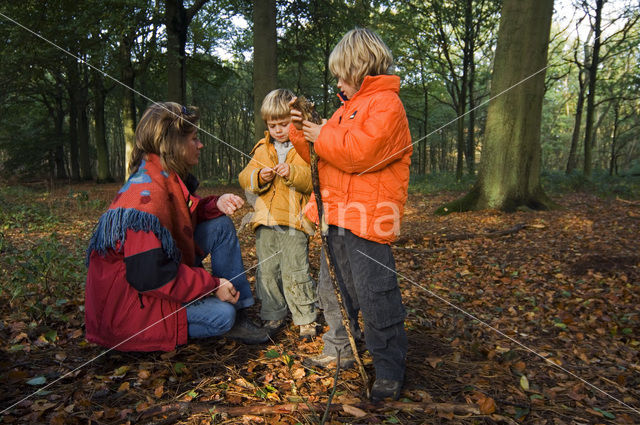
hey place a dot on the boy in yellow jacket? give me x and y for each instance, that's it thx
(282, 181)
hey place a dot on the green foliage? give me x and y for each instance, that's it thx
(433, 183)
(600, 184)
(16, 213)
(40, 272)
(82, 201)
(44, 274)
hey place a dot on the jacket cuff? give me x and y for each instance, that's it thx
(295, 135)
(255, 183)
(208, 208)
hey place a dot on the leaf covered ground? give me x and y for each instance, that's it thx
(529, 317)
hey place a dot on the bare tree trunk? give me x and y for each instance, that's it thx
(265, 65)
(614, 138)
(104, 174)
(471, 136)
(72, 89)
(83, 128)
(572, 161)
(591, 96)
(177, 20)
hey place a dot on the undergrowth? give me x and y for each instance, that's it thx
(555, 183)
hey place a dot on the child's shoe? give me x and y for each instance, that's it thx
(325, 360)
(308, 331)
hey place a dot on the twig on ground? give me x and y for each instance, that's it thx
(335, 387)
(287, 408)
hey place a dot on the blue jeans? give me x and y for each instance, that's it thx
(210, 316)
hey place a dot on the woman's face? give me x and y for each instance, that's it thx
(346, 88)
(192, 149)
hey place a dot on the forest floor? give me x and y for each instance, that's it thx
(530, 317)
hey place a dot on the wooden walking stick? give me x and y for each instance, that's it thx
(309, 113)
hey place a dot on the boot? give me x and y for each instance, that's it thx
(245, 331)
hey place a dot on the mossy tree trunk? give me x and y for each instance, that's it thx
(509, 174)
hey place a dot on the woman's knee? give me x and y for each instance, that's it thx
(224, 225)
(227, 317)
(211, 233)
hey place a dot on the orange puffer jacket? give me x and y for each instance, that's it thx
(364, 157)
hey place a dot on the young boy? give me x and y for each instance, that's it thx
(364, 156)
(282, 181)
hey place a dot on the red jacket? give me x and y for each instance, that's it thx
(135, 289)
(364, 155)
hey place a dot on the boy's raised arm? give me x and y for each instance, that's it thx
(370, 145)
(299, 143)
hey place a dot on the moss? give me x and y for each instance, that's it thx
(467, 203)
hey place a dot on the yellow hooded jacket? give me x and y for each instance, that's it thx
(280, 201)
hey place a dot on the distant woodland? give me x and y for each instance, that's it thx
(76, 76)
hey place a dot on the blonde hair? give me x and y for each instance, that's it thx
(276, 104)
(361, 52)
(163, 130)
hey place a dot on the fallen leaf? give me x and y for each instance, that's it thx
(524, 383)
(487, 405)
(434, 361)
(121, 371)
(298, 373)
(354, 411)
(159, 391)
(38, 380)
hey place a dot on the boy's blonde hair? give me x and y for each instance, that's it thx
(275, 105)
(361, 52)
(163, 130)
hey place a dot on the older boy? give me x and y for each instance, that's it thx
(365, 153)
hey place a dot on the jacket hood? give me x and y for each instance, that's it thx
(373, 84)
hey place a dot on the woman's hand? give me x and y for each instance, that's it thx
(227, 292)
(283, 170)
(229, 203)
(296, 116)
(312, 131)
(267, 174)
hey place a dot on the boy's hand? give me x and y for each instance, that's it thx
(296, 116)
(267, 174)
(311, 130)
(229, 203)
(283, 170)
(227, 292)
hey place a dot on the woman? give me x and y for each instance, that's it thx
(145, 255)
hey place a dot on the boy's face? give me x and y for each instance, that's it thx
(348, 89)
(279, 129)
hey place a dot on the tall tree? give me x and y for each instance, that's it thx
(572, 160)
(591, 95)
(177, 20)
(265, 65)
(509, 175)
(137, 48)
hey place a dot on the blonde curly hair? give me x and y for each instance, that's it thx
(361, 52)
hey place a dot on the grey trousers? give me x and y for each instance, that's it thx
(370, 288)
(283, 280)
